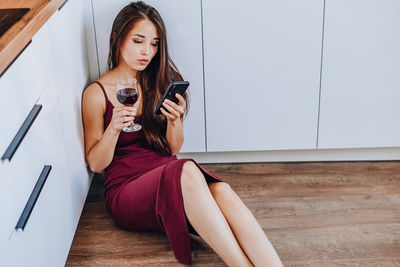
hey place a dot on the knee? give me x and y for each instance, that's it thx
(221, 190)
(190, 169)
(191, 175)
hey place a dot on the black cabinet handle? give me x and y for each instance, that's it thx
(9, 65)
(32, 199)
(21, 133)
(63, 4)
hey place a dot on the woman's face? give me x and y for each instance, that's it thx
(140, 45)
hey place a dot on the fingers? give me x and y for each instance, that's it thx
(126, 124)
(182, 101)
(122, 117)
(124, 109)
(168, 115)
(127, 113)
(129, 118)
(173, 108)
(178, 108)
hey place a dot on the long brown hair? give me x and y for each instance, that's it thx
(155, 78)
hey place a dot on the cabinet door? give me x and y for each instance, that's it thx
(48, 233)
(19, 175)
(68, 48)
(360, 88)
(69, 103)
(185, 48)
(68, 45)
(262, 71)
(22, 84)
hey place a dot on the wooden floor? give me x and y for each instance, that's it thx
(315, 214)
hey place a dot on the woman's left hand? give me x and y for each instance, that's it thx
(174, 111)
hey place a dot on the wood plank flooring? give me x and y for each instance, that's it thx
(315, 214)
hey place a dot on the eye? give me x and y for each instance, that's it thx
(137, 41)
(155, 44)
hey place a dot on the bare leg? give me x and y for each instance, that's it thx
(206, 217)
(245, 226)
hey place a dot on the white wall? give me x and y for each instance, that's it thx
(185, 48)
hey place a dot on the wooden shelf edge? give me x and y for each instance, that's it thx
(15, 46)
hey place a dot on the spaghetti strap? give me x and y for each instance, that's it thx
(102, 88)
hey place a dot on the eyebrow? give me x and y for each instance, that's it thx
(136, 34)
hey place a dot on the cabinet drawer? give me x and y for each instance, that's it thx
(47, 235)
(19, 175)
(22, 84)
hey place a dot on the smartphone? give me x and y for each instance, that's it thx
(178, 87)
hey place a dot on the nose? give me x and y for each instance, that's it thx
(145, 50)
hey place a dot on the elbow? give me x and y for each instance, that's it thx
(95, 167)
(95, 163)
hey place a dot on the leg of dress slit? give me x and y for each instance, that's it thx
(171, 210)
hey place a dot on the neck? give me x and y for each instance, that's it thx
(123, 71)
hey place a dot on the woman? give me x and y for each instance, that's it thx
(147, 187)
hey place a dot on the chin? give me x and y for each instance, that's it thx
(137, 67)
(140, 67)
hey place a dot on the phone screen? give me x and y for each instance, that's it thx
(178, 87)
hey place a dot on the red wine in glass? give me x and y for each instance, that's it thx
(128, 94)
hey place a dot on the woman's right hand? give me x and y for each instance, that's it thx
(122, 116)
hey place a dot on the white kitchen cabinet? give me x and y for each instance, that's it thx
(56, 66)
(48, 233)
(22, 84)
(68, 44)
(262, 70)
(360, 88)
(19, 175)
(183, 22)
(69, 103)
(69, 56)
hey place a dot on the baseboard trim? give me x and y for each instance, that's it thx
(361, 154)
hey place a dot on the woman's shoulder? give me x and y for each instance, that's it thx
(93, 96)
(95, 89)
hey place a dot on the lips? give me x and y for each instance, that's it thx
(143, 61)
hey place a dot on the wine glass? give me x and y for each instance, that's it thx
(128, 94)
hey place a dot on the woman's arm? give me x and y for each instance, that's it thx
(99, 143)
(174, 133)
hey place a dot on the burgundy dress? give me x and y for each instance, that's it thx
(143, 189)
